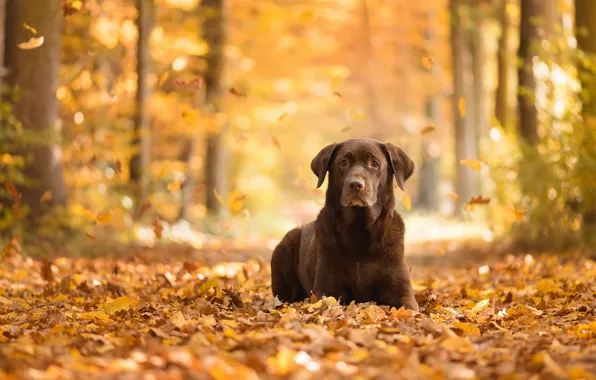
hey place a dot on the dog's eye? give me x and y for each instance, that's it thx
(343, 163)
(375, 164)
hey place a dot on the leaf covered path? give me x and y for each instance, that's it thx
(518, 318)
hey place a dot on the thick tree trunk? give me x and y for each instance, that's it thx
(585, 20)
(141, 159)
(466, 181)
(2, 31)
(35, 72)
(217, 154)
(503, 66)
(537, 22)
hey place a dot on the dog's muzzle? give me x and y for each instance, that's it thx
(356, 194)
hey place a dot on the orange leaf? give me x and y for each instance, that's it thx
(282, 116)
(275, 141)
(157, 227)
(461, 106)
(46, 197)
(474, 164)
(406, 201)
(144, 208)
(427, 62)
(427, 129)
(335, 93)
(452, 195)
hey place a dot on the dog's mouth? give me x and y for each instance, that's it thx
(355, 202)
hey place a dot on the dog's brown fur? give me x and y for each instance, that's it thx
(355, 249)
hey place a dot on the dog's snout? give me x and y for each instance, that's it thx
(356, 184)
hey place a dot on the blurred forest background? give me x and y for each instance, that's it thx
(183, 120)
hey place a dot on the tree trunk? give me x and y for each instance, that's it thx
(585, 21)
(141, 158)
(479, 89)
(374, 116)
(466, 182)
(35, 72)
(2, 31)
(537, 22)
(503, 65)
(217, 156)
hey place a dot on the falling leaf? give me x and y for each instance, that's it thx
(479, 200)
(104, 217)
(474, 164)
(46, 197)
(218, 197)
(452, 195)
(91, 237)
(357, 114)
(46, 270)
(275, 142)
(461, 106)
(247, 214)
(336, 93)
(282, 116)
(30, 28)
(70, 7)
(33, 43)
(345, 129)
(235, 201)
(519, 214)
(406, 201)
(483, 159)
(427, 129)
(427, 62)
(237, 92)
(118, 167)
(12, 190)
(174, 186)
(164, 77)
(157, 227)
(306, 16)
(146, 206)
(13, 247)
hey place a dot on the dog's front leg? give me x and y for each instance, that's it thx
(396, 288)
(327, 282)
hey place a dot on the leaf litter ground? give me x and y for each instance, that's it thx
(80, 318)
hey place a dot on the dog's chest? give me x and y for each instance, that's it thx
(363, 275)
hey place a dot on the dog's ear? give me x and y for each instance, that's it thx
(401, 165)
(323, 161)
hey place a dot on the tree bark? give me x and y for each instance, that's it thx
(503, 65)
(478, 88)
(35, 72)
(585, 21)
(466, 182)
(2, 31)
(217, 154)
(141, 143)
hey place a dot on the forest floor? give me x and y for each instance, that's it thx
(143, 317)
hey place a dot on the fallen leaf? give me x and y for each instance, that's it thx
(33, 43)
(468, 328)
(46, 270)
(306, 16)
(119, 304)
(178, 319)
(157, 227)
(480, 306)
(104, 217)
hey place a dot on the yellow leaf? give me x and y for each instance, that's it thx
(474, 164)
(306, 16)
(519, 214)
(33, 43)
(119, 304)
(427, 62)
(479, 307)
(461, 106)
(468, 328)
(28, 27)
(175, 185)
(546, 286)
(104, 217)
(94, 316)
(178, 319)
(483, 159)
(356, 114)
(427, 129)
(459, 344)
(275, 142)
(235, 201)
(453, 195)
(46, 197)
(406, 201)
(7, 159)
(218, 197)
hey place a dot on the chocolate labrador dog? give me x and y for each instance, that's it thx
(354, 250)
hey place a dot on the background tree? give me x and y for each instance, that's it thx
(141, 158)
(34, 74)
(216, 159)
(585, 19)
(503, 66)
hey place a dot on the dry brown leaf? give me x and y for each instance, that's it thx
(33, 43)
(157, 227)
(427, 129)
(46, 197)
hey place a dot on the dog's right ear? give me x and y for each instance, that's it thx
(322, 162)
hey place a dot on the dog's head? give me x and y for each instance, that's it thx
(362, 169)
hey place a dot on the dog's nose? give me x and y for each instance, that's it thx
(356, 184)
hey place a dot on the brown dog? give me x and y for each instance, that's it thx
(355, 249)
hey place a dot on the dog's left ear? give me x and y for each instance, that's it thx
(322, 162)
(402, 166)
